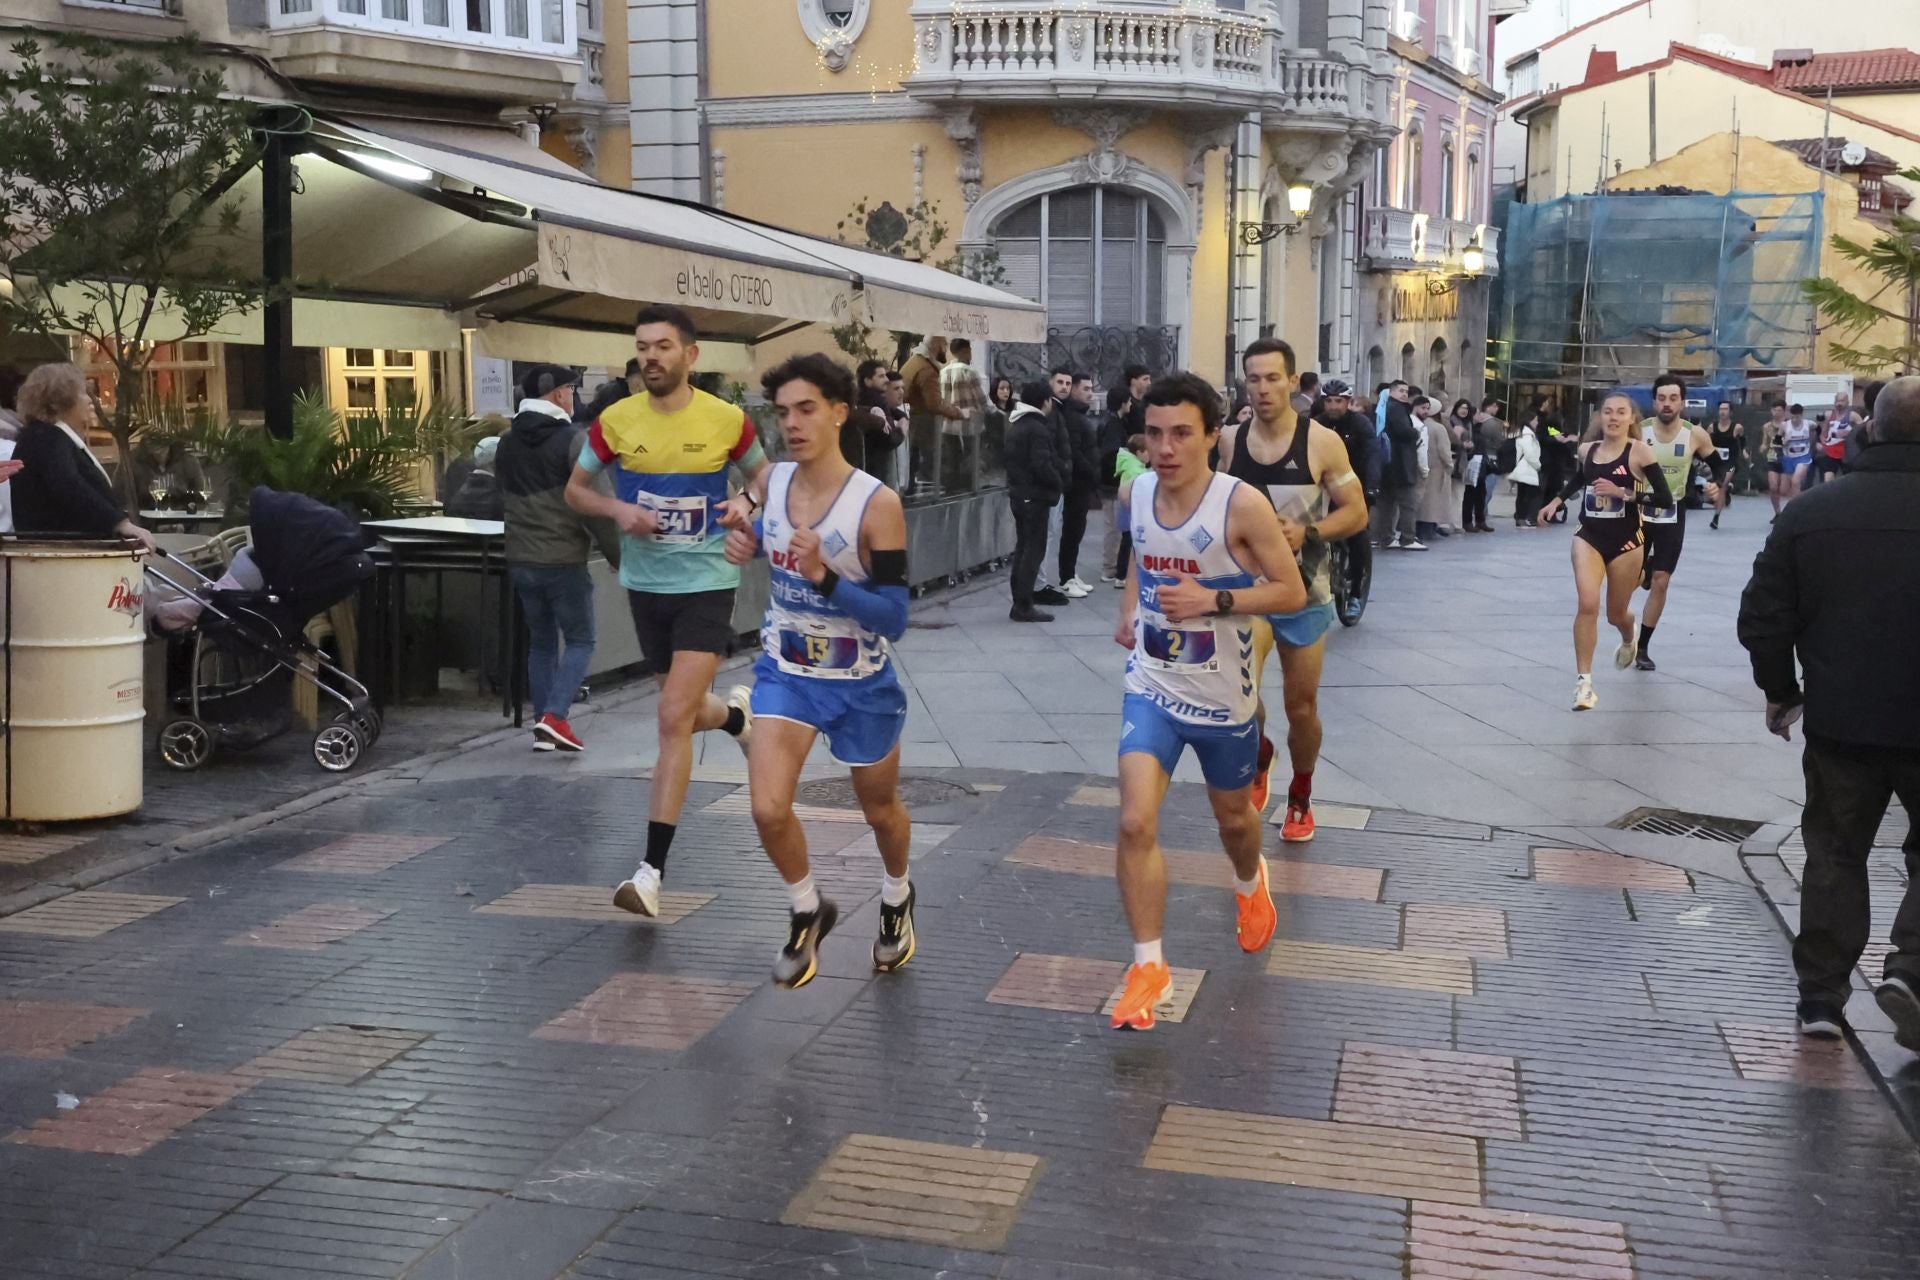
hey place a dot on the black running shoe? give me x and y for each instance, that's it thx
(1821, 1020)
(895, 945)
(1644, 662)
(799, 959)
(1899, 998)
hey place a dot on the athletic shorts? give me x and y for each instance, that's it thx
(1299, 630)
(862, 719)
(696, 622)
(1663, 545)
(1229, 755)
(1611, 541)
(1787, 466)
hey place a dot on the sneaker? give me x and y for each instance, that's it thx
(541, 742)
(1147, 985)
(1112, 580)
(1820, 1020)
(799, 960)
(1076, 590)
(1584, 698)
(1415, 545)
(641, 894)
(1627, 650)
(1715, 522)
(1119, 584)
(1297, 827)
(1899, 998)
(559, 733)
(1254, 915)
(742, 697)
(1029, 614)
(1076, 582)
(1643, 662)
(1051, 595)
(895, 945)
(1390, 546)
(1263, 775)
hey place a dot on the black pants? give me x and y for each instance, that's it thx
(1473, 501)
(1526, 503)
(1073, 530)
(1359, 561)
(1029, 545)
(1847, 793)
(1126, 554)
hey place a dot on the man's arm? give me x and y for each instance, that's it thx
(631, 518)
(1769, 623)
(880, 603)
(1717, 466)
(1340, 484)
(1255, 536)
(1229, 438)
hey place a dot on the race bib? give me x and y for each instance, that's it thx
(1167, 647)
(826, 648)
(1660, 515)
(1596, 507)
(681, 520)
(1725, 454)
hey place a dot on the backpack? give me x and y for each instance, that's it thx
(1508, 456)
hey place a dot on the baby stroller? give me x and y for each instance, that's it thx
(239, 643)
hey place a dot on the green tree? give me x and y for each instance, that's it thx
(919, 234)
(1894, 260)
(114, 166)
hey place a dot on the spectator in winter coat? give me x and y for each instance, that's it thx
(479, 496)
(1036, 477)
(60, 487)
(1398, 510)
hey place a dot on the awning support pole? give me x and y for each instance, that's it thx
(276, 252)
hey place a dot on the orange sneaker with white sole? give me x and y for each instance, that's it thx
(1256, 917)
(1263, 775)
(1147, 985)
(1298, 827)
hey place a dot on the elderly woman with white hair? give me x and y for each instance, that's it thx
(61, 487)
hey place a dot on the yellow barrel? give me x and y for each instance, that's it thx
(71, 688)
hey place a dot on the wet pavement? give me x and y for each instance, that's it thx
(401, 1032)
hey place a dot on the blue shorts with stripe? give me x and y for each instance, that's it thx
(1229, 755)
(862, 719)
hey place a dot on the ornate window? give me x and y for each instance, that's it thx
(1437, 368)
(1416, 160)
(1470, 203)
(833, 26)
(1090, 255)
(1449, 182)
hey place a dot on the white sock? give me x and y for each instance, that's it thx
(1147, 952)
(894, 892)
(1586, 677)
(805, 898)
(1247, 887)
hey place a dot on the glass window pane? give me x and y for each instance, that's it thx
(553, 22)
(1070, 282)
(296, 6)
(400, 359)
(1119, 282)
(517, 19)
(1024, 221)
(435, 13)
(399, 392)
(1156, 225)
(352, 6)
(394, 10)
(1119, 216)
(1020, 260)
(480, 15)
(1156, 282)
(359, 357)
(360, 393)
(1070, 213)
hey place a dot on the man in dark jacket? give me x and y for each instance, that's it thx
(1083, 484)
(1335, 412)
(547, 547)
(1126, 418)
(478, 497)
(1399, 509)
(1035, 480)
(1838, 582)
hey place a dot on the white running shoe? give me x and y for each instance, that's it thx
(742, 697)
(1584, 698)
(1076, 589)
(1415, 545)
(1077, 581)
(1390, 546)
(1629, 649)
(641, 894)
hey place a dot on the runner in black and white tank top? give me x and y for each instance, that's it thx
(1296, 495)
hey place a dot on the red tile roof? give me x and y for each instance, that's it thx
(1860, 69)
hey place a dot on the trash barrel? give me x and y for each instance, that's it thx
(72, 738)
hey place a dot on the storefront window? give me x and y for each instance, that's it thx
(184, 377)
(376, 380)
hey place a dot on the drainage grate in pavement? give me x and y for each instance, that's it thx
(918, 793)
(1691, 826)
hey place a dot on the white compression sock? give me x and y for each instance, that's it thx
(894, 892)
(1147, 952)
(805, 898)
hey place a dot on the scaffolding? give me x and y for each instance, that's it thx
(1612, 289)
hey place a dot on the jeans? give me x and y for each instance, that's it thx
(1029, 545)
(1073, 529)
(558, 601)
(1399, 511)
(1050, 553)
(1847, 792)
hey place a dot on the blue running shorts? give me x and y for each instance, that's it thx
(1229, 755)
(862, 719)
(1298, 630)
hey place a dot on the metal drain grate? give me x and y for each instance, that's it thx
(837, 793)
(1690, 826)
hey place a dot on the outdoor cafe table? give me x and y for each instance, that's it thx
(439, 545)
(207, 518)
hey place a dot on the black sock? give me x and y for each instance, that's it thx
(735, 722)
(659, 840)
(1646, 636)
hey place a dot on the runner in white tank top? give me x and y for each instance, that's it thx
(1209, 560)
(837, 539)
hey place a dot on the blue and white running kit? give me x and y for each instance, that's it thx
(819, 666)
(1190, 684)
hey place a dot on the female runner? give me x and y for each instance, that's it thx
(1610, 544)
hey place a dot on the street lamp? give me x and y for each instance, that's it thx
(1299, 204)
(1473, 260)
(1300, 200)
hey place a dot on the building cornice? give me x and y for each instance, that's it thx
(1414, 56)
(814, 108)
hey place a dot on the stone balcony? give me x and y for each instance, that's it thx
(502, 51)
(1400, 240)
(1127, 53)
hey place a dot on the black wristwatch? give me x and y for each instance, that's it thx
(1223, 603)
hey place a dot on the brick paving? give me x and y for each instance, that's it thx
(1465, 1056)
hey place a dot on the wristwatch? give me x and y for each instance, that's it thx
(1223, 603)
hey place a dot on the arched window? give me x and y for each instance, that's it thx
(1416, 161)
(1090, 255)
(1406, 363)
(1470, 205)
(1470, 374)
(1376, 370)
(1437, 368)
(1449, 185)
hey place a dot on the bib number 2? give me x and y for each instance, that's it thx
(1174, 649)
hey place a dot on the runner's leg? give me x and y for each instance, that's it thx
(1623, 578)
(775, 756)
(1139, 866)
(687, 706)
(1589, 571)
(1239, 827)
(1300, 674)
(878, 788)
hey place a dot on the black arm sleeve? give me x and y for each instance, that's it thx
(1656, 481)
(889, 568)
(1717, 466)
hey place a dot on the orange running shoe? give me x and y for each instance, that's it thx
(1256, 916)
(1147, 986)
(1298, 827)
(1263, 775)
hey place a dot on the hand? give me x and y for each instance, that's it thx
(1123, 632)
(134, 533)
(741, 545)
(1608, 489)
(1183, 598)
(636, 521)
(1713, 492)
(736, 513)
(1547, 513)
(1296, 533)
(10, 468)
(1780, 720)
(804, 547)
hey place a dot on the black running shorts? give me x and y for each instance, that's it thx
(694, 622)
(1663, 545)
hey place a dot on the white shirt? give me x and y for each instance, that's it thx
(6, 490)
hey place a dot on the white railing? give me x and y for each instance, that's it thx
(137, 6)
(1403, 239)
(510, 26)
(1024, 48)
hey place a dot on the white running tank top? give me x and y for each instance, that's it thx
(1199, 671)
(804, 633)
(1676, 459)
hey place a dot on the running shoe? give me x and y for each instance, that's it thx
(1584, 698)
(1076, 590)
(895, 945)
(799, 960)
(1254, 916)
(1415, 545)
(742, 697)
(540, 741)
(1263, 775)
(559, 733)
(1629, 649)
(1821, 1020)
(641, 894)
(1899, 998)
(1077, 583)
(1297, 827)
(1147, 985)
(1715, 522)
(1119, 584)
(1643, 662)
